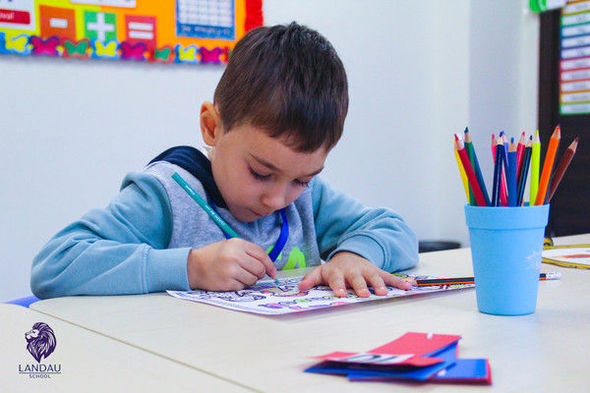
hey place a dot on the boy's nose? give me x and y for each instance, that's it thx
(274, 199)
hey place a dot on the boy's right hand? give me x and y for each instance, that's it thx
(228, 265)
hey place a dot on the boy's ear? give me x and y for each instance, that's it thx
(210, 123)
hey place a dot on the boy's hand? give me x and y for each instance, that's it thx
(347, 268)
(228, 265)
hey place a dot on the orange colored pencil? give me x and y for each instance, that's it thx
(473, 183)
(548, 166)
(562, 167)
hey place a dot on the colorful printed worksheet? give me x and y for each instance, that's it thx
(270, 298)
(577, 256)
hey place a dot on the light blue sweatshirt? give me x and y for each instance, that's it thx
(140, 242)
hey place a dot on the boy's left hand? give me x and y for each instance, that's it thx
(352, 270)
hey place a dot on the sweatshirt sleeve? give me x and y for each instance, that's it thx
(378, 235)
(118, 250)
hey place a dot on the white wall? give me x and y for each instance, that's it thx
(418, 71)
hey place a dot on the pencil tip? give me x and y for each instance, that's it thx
(466, 129)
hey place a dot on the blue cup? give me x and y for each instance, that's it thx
(506, 247)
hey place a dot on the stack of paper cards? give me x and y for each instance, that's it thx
(418, 357)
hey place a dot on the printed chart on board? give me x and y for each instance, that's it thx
(270, 298)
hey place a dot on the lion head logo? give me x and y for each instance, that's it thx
(40, 341)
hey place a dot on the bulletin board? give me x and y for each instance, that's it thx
(157, 31)
(575, 58)
(564, 75)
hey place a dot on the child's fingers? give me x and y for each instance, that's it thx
(377, 283)
(260, 255)
(358, 283)
(253, 266)
(245, 277)
(311, 279)
(336, 282)
(395, 281)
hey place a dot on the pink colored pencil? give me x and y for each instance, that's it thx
(519, 151)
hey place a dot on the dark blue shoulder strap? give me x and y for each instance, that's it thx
(194, 162)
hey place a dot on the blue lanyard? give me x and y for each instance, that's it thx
(227, 230)
(281, 241)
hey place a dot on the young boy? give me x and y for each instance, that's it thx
(278, 110)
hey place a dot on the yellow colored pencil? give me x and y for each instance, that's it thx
(463, 176)
(535, 164)
(548, 166)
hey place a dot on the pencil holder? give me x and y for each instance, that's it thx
(506, 247)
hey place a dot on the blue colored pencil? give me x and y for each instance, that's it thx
(497, 172)
(512, 175)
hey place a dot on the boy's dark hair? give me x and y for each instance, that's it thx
(289, 81)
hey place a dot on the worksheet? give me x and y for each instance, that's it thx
(269, 298)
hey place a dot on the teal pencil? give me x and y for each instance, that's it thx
(208, 209)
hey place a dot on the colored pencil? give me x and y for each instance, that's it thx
(564, 163)
(463, 175)
(519, 152)
(505, 141)
(204, 205)
(428, 282)
(497, 181)
(475, 164)
(535, 165)
(208, 209)
(548, 166)
(512, 174)
(523, 173)
(502, 191)
(473, 184)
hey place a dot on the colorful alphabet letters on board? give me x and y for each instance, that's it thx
(158, 31)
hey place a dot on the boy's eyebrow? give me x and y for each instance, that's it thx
(274, 168)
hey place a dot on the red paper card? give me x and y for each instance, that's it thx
(420, 344)
(411, 349)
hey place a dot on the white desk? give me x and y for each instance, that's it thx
(90, 362)
(545, 351)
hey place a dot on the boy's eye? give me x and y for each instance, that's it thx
(301, 183)
(257, 175)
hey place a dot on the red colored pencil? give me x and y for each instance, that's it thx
(473, 183)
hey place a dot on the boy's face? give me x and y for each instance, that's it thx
(257, 174)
